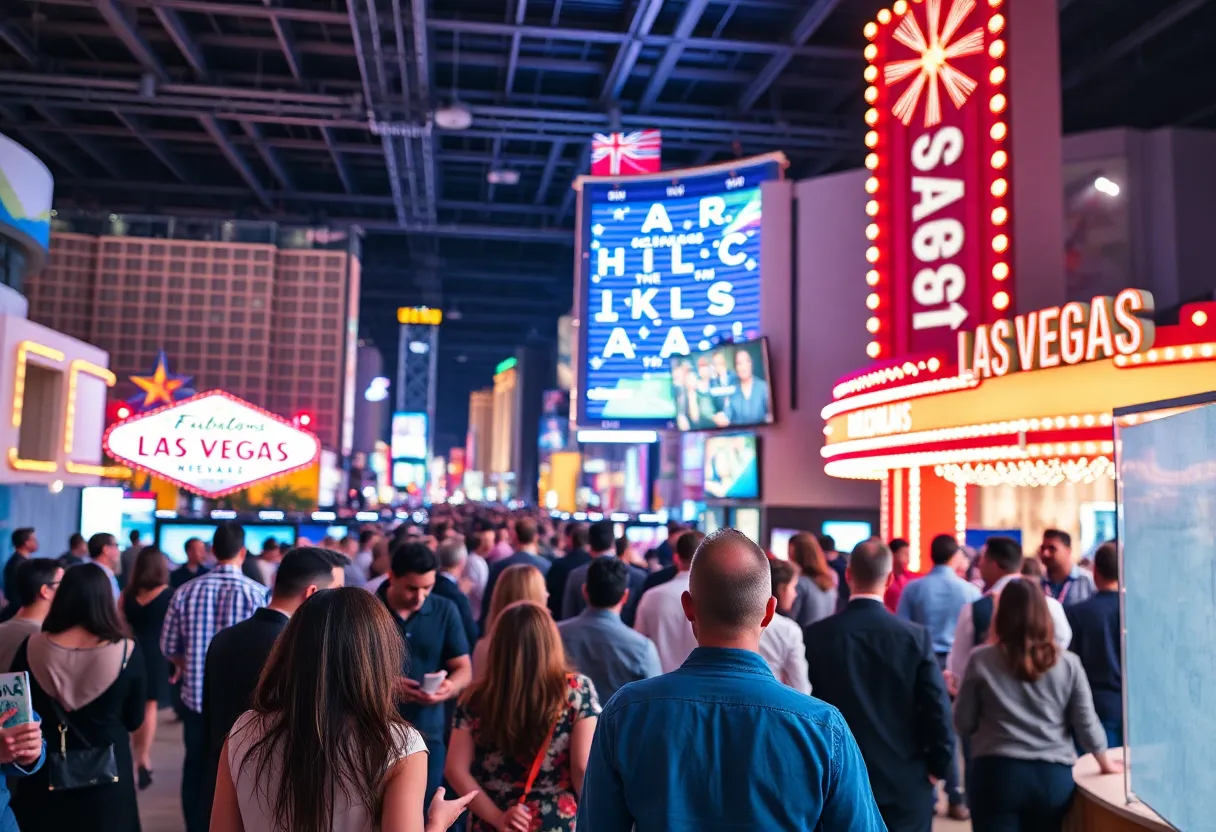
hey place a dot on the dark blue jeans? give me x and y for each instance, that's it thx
(194, 772)
(1010, 795)
(954, 792)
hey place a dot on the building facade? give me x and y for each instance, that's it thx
(245, 313)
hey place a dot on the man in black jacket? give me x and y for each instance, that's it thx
(576, 556)
(237, 654)
(881, 673)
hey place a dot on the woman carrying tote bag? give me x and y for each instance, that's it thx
(522, 733)
(87, 682)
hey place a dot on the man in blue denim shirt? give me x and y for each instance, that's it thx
(22, 752)
(720, 743)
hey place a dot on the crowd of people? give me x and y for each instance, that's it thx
(500, 672)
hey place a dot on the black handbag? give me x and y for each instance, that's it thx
(79, 768)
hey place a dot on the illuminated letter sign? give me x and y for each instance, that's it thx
(212, 444)
(419, 316)
(666, 265)
(1059, 336)
(938, 129)
(880, 421)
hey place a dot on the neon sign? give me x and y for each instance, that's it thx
(938, 128)
(1062, 335)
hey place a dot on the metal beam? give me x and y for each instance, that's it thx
(17, 125)
(814, 17)
(287, 43)
(17, 42)
(163, 154)
(627, 55)
(85, 143)
(1167, 19)
(339, 162)
(546, 178)
(422, 61)
(254, 132)
(125, 30)
(521, 11)
(219, 135)
(183, 40)
(671, 55)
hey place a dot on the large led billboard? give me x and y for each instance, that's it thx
(669, 264)
(409, 436)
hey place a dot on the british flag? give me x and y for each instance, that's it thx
(626, 154)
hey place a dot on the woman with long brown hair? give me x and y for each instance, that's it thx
(816, 587)
(521, 582)
(144, 604)
(324, 749)
(522, 734)
(1021, 701)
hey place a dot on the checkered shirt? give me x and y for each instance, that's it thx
(199, 610)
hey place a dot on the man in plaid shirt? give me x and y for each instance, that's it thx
(199, 610)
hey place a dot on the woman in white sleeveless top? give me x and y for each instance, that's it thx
(325, 705)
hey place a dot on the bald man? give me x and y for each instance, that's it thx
(719, 742)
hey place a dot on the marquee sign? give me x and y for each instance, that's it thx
(212, 444)
(938, 138)
(1070, 334)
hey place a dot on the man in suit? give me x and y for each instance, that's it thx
(576, 556)
(881, 673)
(527, 551)
(453, 556)
(237, 654)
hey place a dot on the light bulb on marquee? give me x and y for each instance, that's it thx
(997, 104)
(997, 76)
(872, 301)
(884, 16)
(999, 131)
(872, 277)
(871, 73)
(996, 23)
(1000, 187)
(997, 49)
(872, 138)
(872, 208)
(900, 7)
(1000, 271)
(999, 159)
(873, 349)
(1000, 301)
(872, 254)
(872, 185)
(872, 161)
(872, 231)
(871, 52)
(872, 325)
(1000, 215)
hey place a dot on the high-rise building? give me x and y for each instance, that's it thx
(241, 311)
(481, 426)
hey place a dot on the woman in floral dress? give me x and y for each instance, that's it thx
(522, 733)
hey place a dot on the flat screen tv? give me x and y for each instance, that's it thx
(727, 386)
(732, 467)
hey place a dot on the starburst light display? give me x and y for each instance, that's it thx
(935, 45)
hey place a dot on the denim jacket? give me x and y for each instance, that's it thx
(8, 823)
(721, 744)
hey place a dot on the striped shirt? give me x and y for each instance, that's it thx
(199, 610)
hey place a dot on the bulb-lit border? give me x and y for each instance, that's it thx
(996, 276)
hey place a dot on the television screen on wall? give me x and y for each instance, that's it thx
(728, 386)
(732, 467)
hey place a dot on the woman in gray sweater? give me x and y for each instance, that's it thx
(816, 598)
(1020, 702)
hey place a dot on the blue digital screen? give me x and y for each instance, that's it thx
(670, 266)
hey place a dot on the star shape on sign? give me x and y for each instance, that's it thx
(597, 229)
(643, 333)
(161, 386)
(596, 362)
(619, 213)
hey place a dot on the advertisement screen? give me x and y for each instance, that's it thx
(554, 421)
(171, 537)
(724, 387)
(408, 475)
(847, 533)
(731, 467)
(409, 436)
(668, 266)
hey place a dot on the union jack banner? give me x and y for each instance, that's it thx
(626, 154)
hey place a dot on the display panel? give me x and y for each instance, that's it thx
(171, 537)
(314, 533)
(847, 533)
(409, 439)
(747, 520)
(667, 266)
(728, 386)
(101, 510)
(779, 542)
(408, 474)
(731, 467)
